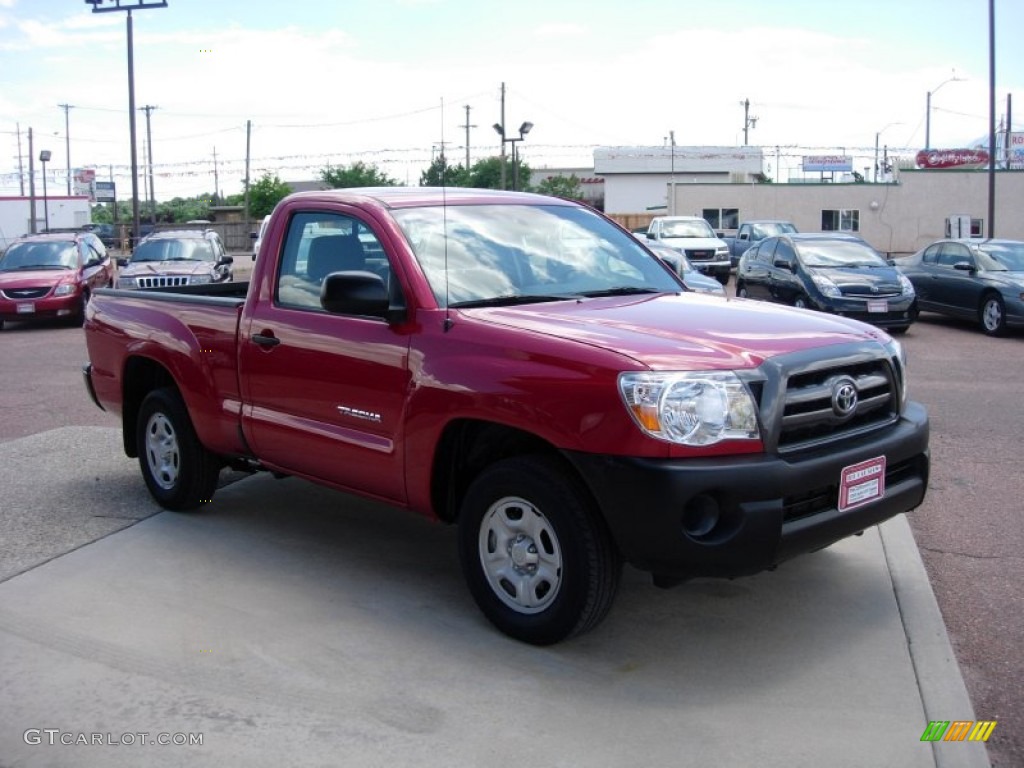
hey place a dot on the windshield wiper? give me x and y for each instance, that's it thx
(511, 300)
(622, 290)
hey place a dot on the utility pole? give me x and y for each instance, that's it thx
(748, 121)
(31, 183)
(21, 166)
(216, 187)
(149, 150)
(672, 182)
(503, 135)
(67, 141)
(467, 126)
(248, 137)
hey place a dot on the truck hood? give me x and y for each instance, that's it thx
(691, 243)
(684, 332)
(148, 268)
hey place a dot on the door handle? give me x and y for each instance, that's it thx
(265, 339)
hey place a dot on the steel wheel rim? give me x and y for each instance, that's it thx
(520, 555)
(162, 452)
(991, 315)
(800, 304)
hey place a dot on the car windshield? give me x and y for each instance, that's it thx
(508, 254)
(51, 255)
(771, 229)
(173, 250)
(694, 228)
(1001, 257)
(839, 253)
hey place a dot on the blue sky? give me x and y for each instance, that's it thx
(343, 80)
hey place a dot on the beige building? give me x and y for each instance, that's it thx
(896, 218)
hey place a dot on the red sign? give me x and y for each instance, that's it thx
(862, 483)
(952, 158)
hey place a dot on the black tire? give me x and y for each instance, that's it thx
(800, 302)
(179, 472)
(741, 290)
(899, 331)
(555, 543)
(992, 314)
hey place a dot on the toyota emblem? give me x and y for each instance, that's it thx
(844, 397)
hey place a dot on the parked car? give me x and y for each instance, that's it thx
(692, 278)
(257, 237)
(176, 258)
(105, 232)
(52, 275)
(980, 280)
(693, 237)
(832, 272)
(751, 232)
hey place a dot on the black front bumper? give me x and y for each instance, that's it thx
(765, 509)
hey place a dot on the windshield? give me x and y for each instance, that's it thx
(687, 228)
(1001, 257)
(173, 250)
(51, 255)
(526, 253)
(839, 253)
(771, 229)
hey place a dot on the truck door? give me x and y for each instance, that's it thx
(324, 393)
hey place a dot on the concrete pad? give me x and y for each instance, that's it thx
(289, 624)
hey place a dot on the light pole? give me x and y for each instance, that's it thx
(524, 129)
(928, 110)
(877, 136)
(44, 158)
(129, 6)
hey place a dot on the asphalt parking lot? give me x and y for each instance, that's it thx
(267, 589)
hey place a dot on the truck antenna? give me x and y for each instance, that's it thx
(444, 223)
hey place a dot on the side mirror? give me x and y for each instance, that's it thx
(254, 235)
(122, 262)
(354, 293)
(964, 266)
(789, 266)
(227, 260)
(743, 236)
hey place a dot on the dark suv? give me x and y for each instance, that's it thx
(52, 275)
(174, 258)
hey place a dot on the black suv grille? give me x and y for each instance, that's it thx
(832, 403)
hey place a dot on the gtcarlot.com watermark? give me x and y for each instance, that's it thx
(55, 736)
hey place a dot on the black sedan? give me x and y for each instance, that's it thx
(831, 272)
(981, 280)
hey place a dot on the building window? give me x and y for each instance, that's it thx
(722, 218)
(842, 220)
(977, 227)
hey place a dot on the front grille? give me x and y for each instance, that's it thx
(883, 293)
(20, 294)
(162, 281)
(700, 255)
(811, 414)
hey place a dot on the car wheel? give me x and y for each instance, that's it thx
(179, 472)
(741, 291)
(993, 315)
(536, 556)
(899, 331)
(800, 302)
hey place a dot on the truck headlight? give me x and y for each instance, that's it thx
(690, 408)
(64, 289)
(128, 283)
(200, 279)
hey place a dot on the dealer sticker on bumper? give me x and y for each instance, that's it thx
(862, 483)
(26, 308)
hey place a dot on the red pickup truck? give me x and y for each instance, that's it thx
(522, 367)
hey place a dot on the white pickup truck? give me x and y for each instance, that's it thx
(693, 237)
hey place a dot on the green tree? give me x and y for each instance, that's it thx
(562, 186)
(486, 173)
(265, 194)
(180, 209)
(441, 173)
(358, 174)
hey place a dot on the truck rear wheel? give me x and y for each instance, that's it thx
(179, 472)
(535, 554)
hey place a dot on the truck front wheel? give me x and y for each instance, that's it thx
(179, 472)
(535, 554)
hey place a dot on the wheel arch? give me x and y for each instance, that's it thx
(141, 376)
(467, 446)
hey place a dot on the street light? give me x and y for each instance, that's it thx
(877, 135)
(928, 110)
(524, 129)
(129, 6)
(44, 158)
